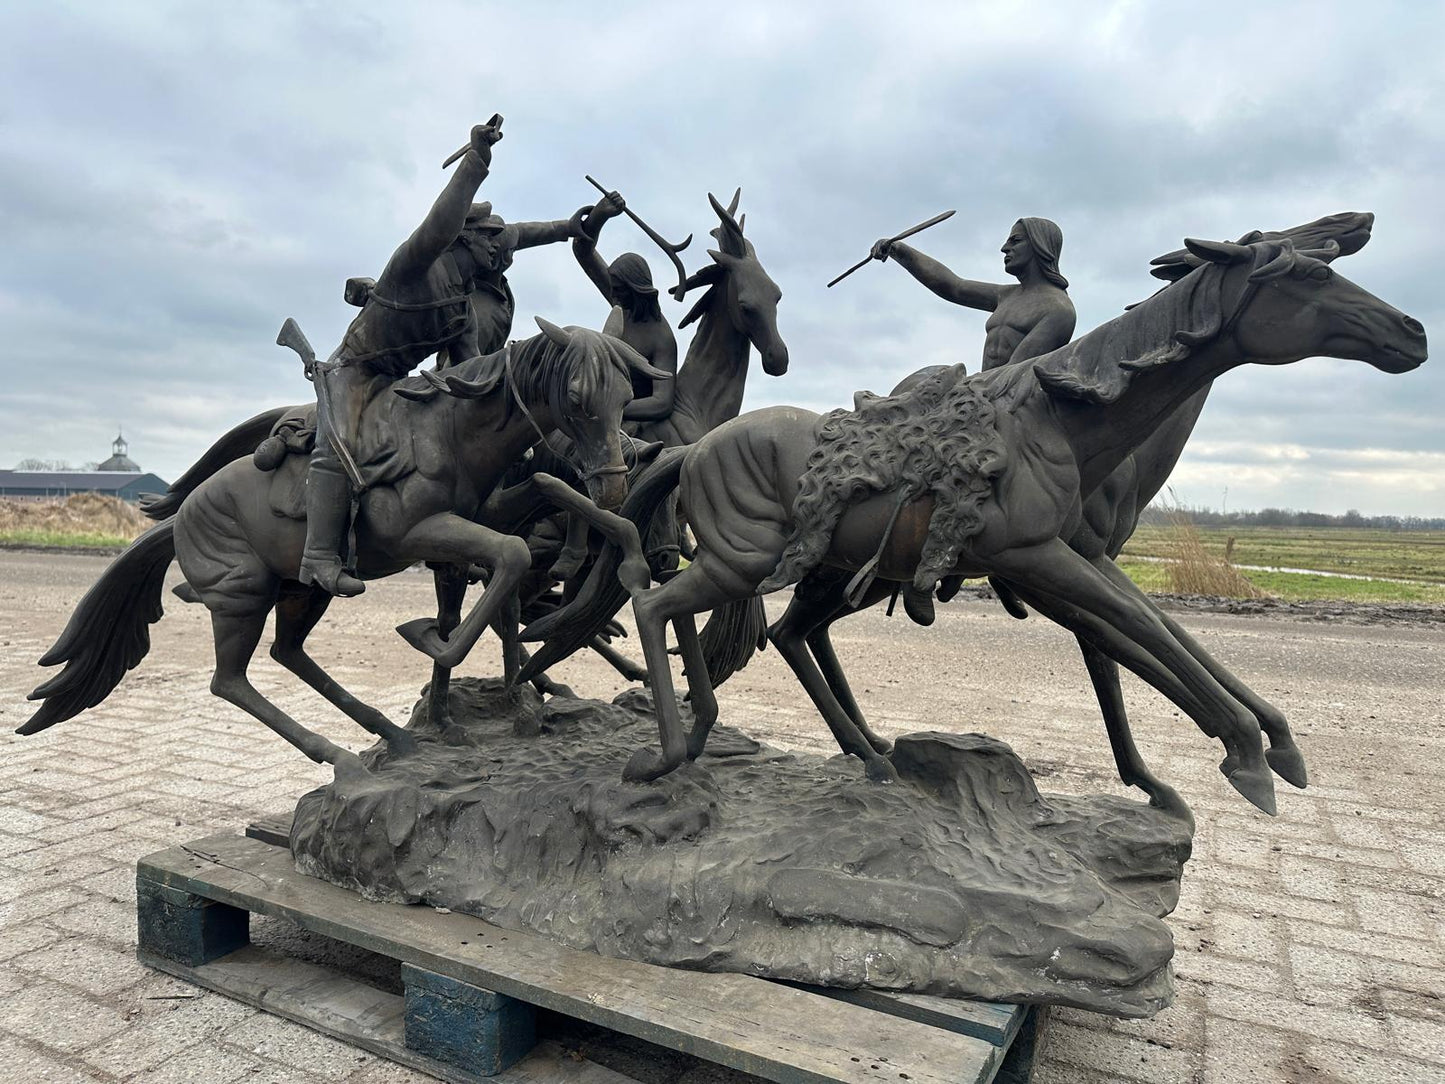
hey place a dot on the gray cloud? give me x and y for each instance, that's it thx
(175, 181)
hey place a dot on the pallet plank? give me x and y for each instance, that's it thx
(784, 1034)
(992, 1021)
(339, 1006)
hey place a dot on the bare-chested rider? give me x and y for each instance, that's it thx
(1030, 318)
(1027, 320)
(627, 283)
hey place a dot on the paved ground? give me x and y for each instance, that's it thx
(1311, 947)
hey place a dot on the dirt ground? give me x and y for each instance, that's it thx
(1310, 946)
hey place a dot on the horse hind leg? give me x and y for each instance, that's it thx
(815, 605)
(1104, 673)
(236, 637)
(789, 637)
(297, 613)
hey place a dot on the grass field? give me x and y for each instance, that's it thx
(1415, 556)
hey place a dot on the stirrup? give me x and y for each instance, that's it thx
(331, 576)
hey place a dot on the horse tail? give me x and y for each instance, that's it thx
(240, 441)
(569, 628)
(733, 634)
(109, 633)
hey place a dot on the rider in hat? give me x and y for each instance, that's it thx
(442, 291)
(489, 243)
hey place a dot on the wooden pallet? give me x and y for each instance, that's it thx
(472, 990)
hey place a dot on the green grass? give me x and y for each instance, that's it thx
(79, 540)
(1410, 555)
(1300, 586)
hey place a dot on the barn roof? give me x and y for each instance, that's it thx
(79, 480)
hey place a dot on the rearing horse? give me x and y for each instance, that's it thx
(435, 460)
(1038, 439)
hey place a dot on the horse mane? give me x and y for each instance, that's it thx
(1099, 367)
(541, 370)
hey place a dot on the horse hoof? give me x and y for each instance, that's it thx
(645, 766)
(880, 745)
(348, 768)
(1288, 764)
(1167, 800)
(402, 744)
(880, 770)
(424, 634)
(1256, 786)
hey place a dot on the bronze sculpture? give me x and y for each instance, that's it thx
(1038, 437)
(1031, 472)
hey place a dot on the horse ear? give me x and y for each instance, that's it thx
(613, 326)
(1282, 262)
(1218, 251)
(1325, 252)
(558, 335)
(729, 233)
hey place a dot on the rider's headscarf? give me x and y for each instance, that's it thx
(1047, 241)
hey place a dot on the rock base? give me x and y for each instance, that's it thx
(962, 880)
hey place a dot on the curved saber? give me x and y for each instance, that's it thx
(935, 220)
(671, 249)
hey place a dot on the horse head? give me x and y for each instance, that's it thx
(591, 384)
(751, 294)
(1271, 300)
(1294, 305)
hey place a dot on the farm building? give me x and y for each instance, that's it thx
(119, 476)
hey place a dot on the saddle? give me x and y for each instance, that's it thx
(387, 446)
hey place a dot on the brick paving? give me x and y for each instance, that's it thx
(1311, 947)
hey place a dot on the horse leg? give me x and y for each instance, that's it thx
(789, 636)
(1283, 754)
(810, 614)
(1130, 619)
(236, 637)
(296, 615)
(700, 692)
(820, 643)
(1104, 673)
(574, 549)
(505, 625)
(450, 538)
(686, 594)
(633, 573)
(451, 589)
(618, 661)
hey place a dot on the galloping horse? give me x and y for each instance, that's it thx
(1036, 440)
(1110, 515)
(433, 461)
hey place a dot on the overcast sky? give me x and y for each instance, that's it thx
(176, 179)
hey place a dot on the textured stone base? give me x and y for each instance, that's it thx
(963, 880)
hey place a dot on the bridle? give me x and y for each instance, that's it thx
(586, 476)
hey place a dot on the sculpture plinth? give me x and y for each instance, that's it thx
(960, 880)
